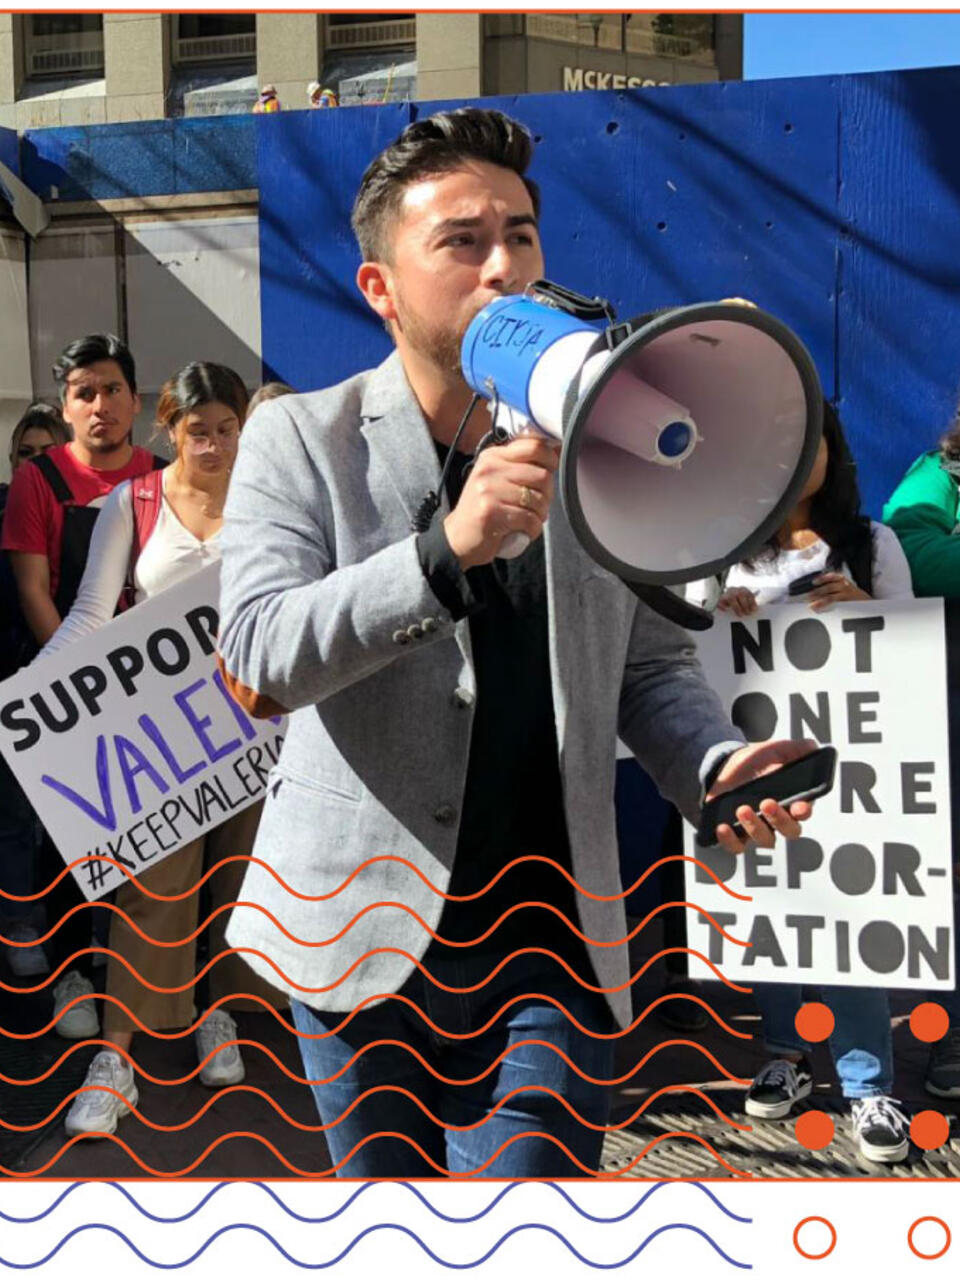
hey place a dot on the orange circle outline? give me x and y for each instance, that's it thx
(814, 1257)
(928, 1257)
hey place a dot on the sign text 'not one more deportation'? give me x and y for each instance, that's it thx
(128, 743)
(864, 897)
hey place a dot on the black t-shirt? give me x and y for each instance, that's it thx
(513, 801)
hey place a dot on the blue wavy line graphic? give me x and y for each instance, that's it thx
(184, 1217)
(380, 1226)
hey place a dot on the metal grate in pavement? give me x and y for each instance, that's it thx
(770, 1150)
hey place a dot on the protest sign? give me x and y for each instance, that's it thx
(127, 741)
(864, 896)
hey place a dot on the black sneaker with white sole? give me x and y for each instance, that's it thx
(943, 1068)
(881, 1129)
(777, 1087)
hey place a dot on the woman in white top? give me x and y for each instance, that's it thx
(842, 556)
(159, 529)
(825, 534)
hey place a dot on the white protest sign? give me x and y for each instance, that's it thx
(864, 896)
(127, 742)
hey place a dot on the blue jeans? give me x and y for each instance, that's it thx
(18, 846)
(861, 1044)
(523, 1067)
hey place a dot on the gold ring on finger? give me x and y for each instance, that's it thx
(526, 497)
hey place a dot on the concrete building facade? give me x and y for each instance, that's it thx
(82, 69)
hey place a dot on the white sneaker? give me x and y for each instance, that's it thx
(80, 1022)
(26, 962)
(97, 1112)
(226, 1067)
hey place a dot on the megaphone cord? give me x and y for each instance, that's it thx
(430, 505)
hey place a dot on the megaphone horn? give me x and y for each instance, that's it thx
(687, 435)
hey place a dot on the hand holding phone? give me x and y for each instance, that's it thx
(804, 779)
(800, 586)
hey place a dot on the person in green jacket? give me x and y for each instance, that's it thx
(923, 512)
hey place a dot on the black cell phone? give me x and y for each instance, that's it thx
(800, 586)
(804, 779)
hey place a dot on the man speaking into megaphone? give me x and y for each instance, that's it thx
(451, 749)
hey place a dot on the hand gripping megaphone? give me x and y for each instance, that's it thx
(687, 435)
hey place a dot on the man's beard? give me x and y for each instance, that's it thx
(105, 445)
(440, 345)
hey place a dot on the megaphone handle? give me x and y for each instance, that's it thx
(671, 606)
(513, 545)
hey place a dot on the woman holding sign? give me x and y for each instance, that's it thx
(152, 533)
(824, 553)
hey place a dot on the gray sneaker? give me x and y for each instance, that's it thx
(226, 1065)
(80, 1022)
(26, 961)
(943, 1066)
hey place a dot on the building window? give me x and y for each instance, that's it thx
(596, 30)
(215, 37)
(64, 44)
(371, 30)
(673, 35)
(660, 35)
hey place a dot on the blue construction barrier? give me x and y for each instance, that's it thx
(833, 202)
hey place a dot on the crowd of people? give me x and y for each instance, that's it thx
(387, 647)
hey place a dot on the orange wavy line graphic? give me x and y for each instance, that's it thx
(382, 1088)
(367, 955)
(373, 999)
(374, 906)
(326, 1173)
(381, 857)
(376, 1044)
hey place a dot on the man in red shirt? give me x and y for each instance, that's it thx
(51, 509)
(48, 534)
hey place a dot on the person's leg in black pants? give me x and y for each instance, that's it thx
(679, 1015)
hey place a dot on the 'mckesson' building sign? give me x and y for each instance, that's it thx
(575, 79)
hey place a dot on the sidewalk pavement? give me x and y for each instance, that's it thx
(766, 1149)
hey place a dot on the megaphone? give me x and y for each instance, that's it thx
(687, 435)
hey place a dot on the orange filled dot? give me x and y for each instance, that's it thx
(929, 1021)
(814, 1130)
(814, 1022)
(929, 1130)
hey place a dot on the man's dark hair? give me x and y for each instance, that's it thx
(83, 352)
(426, 148)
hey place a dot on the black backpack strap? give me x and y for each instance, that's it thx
(51, 473)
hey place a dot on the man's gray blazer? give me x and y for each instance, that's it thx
(325, 608)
